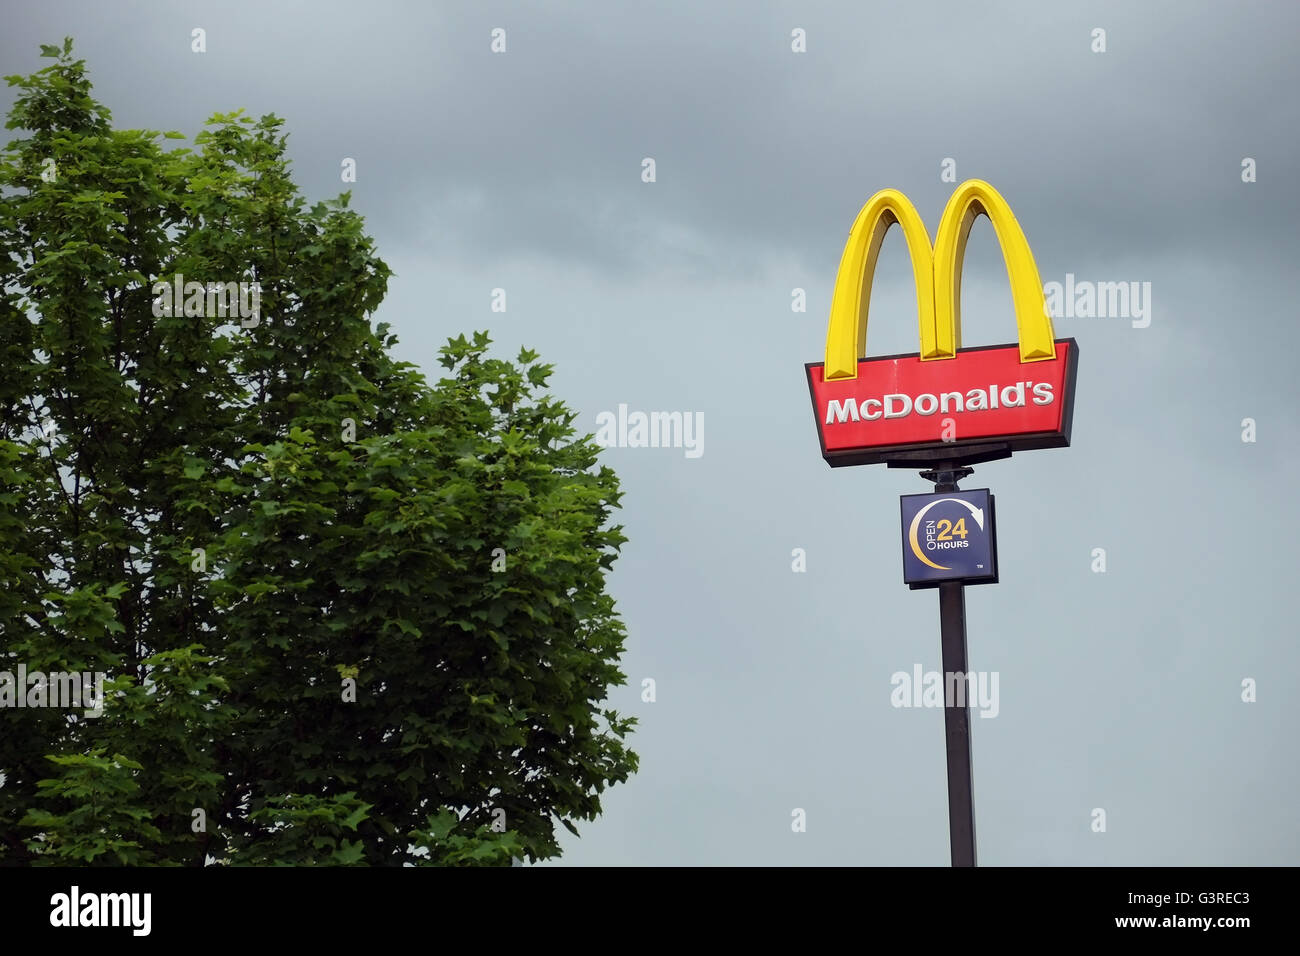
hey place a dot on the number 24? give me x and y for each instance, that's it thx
(947, 529)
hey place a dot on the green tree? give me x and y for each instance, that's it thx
(347, 616)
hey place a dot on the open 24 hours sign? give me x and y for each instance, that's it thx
(949, 536)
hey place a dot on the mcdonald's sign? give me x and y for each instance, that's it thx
(943, 403)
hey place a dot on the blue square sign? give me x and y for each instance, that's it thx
(949, 536)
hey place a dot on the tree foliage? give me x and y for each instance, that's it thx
(347, 616)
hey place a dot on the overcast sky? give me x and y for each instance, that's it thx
(522, 170)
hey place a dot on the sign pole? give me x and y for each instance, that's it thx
(956, 719)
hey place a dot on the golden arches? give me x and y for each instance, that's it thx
(937, 274)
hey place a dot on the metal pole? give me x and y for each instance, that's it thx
(956, 719)
(956, 723)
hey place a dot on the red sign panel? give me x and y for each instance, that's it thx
(983, 396)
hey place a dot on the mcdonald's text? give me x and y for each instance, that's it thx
(981, 395)
(894, 405)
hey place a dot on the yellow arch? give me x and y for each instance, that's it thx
(846, 335)
(973, 198)
(937, 274)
